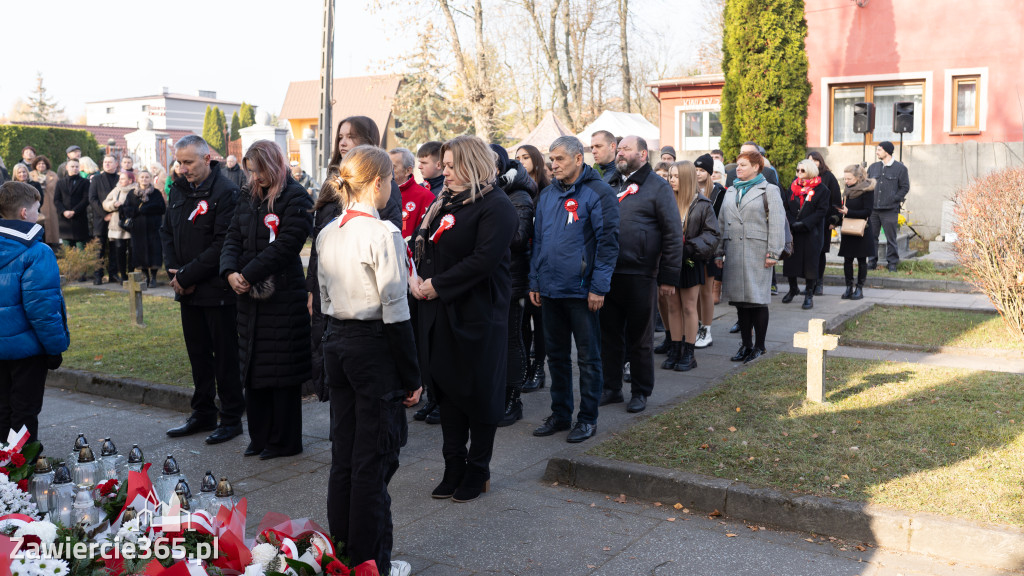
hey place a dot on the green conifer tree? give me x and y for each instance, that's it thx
(247, 115)
(213, 129)
(209, 125)
(766, 87)
(235, 126)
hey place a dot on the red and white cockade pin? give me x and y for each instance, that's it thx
(632, 189)
(571, 206)
(405, 215)
(447, 221)
(201, 209)
(272, 221)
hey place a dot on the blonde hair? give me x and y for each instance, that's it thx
(857, 171)
(266, 158)
(88, 165)
(687, 185)
(809, 166)
(472, 161)
(360, 167)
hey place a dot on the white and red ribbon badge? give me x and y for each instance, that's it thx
(447, 222)
(271, 221)
(201, 208)
(571, 206)
(632, 189)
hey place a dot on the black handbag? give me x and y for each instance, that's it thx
(787, 250)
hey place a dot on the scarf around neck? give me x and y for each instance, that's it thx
(744, 186)
(447, 199)
(859, 188)
(804, 189)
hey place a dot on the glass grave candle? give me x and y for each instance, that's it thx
(62, 496)
(39, 485)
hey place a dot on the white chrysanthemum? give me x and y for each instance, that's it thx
(52, 567)
(39, 567)
(130, 531)
(14, 500)
(263, 554)
(46, 531)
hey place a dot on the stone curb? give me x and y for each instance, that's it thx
(920, 285)
(127, 389)
(920, 533)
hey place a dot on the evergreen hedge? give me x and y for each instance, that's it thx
(49, 142)
(766, 87)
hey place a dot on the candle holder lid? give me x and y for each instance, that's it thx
(62, 475)
(83, 499)
(182, 497)
(224, 488)
(43, 465)
(209, 483)
(108, 449)
(135, 455)
(183, 486)
(80, 442)
(129, 515)
(171, 466)
(86, 455)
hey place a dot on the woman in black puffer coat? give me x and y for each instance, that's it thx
(260, 260)
(833, 219)
(520, 188)
(146, 207)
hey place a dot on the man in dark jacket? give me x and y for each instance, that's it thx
(234, 171)
(33, 322)
(428, 158)
(893, 184)
(603, 146)
(769, 173)
(72, 152)
(575, 245)
(201, 204)
(650, 256)
(101, 185)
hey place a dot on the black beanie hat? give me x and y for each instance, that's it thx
(705, 162)
(887, 146)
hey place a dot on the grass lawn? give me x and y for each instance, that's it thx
(103, 339)
(903, 435)
(932, 327)
(912, 269)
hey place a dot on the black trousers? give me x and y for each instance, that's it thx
(275, 418)
(367, 432)
(533, 331)
(459, 429)
(118, 257)
(22, 383)
(516, 367)
(211, 340)
(627, 332)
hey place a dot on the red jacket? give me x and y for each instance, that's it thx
(415, 200)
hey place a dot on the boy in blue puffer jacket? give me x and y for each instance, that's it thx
(33, 320)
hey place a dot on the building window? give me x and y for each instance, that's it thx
(966, 104)
(110, 110)
(714, 124)
(693, 124)
(884, 96)
(145, 107)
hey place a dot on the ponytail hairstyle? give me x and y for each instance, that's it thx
(266, 158)
(360, 167)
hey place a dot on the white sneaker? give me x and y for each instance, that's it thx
(703, 337)
(400, 568)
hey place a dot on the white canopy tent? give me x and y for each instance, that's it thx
(623, 124)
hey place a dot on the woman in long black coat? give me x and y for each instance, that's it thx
(806, 208)
(146, 206)
(833, 218)
(858, 201)
(260, 260)
(462, 256)
(72, 201)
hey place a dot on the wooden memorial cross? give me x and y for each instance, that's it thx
(135, 287)
(817, 343)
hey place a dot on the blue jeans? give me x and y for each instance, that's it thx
(566, 319)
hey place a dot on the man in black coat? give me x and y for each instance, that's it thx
(233, 170)
(604, 148)
(650, 257)
(101, 185)
(201, 204)
(893, 184)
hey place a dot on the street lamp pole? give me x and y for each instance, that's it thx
(323, 143)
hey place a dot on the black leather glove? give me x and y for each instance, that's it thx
(54, 362)
(798, 226)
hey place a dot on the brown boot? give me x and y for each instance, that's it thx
(717, 289)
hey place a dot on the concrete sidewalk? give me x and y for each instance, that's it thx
(524, 525)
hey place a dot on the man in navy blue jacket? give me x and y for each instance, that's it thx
(575, 246)
(33, 321)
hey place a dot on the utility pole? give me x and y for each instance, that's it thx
(324, 144)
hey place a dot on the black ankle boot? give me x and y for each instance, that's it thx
(427, 408)
(858, 292)
(849, 290)
(474, 483)
(537, 381)
(454, 472)
(808, 299)
(794, 291)
(674, 351)
(687, 361)
(665, 344)
(513, 409)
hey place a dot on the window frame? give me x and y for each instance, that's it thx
(955, 95)
(869, 96)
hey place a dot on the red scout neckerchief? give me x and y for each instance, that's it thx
(447, 221)
(632, 189)
(571, 206)
(201, 208)
(350, 214)
(272, 221)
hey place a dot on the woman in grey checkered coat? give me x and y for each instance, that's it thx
(752, 240)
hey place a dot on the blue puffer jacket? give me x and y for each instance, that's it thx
(33, 319)
(573, 258)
